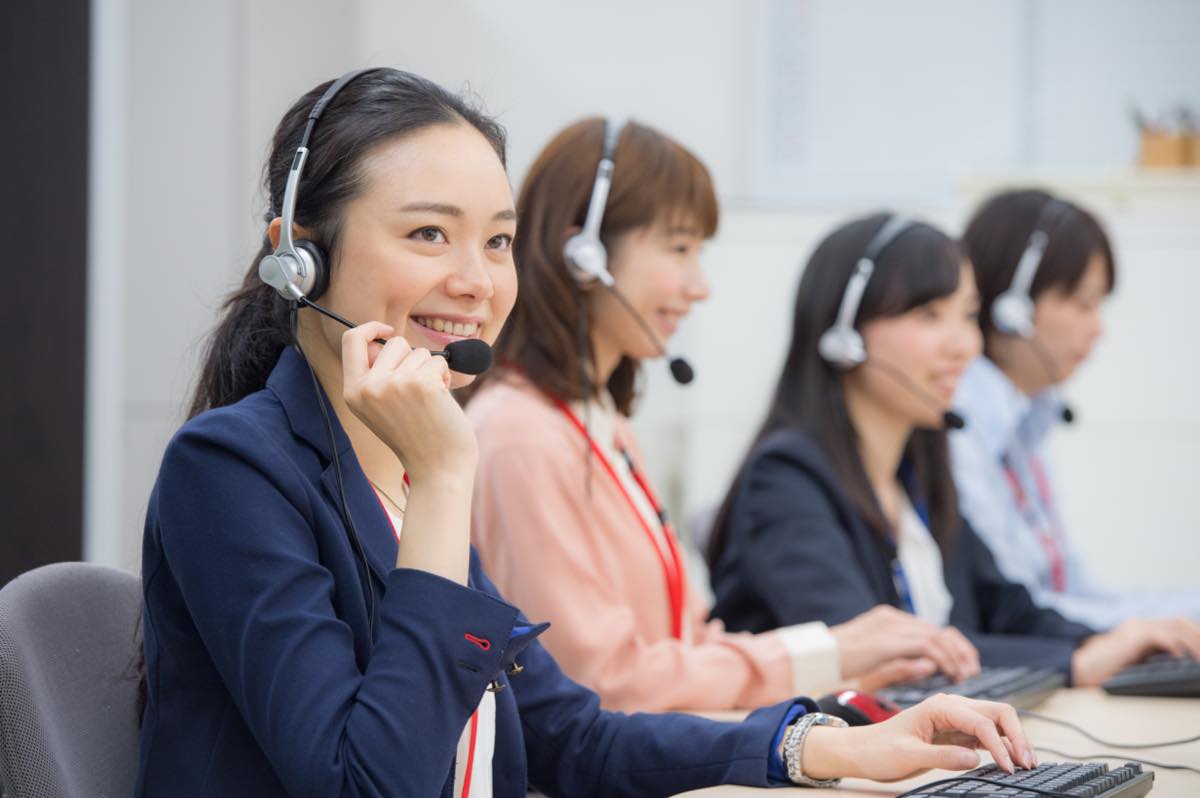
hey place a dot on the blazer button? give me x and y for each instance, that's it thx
(495, 686)
(516, 669)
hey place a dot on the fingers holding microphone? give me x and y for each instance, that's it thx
(403, 395)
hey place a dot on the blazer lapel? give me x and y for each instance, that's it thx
(303, 400)
(371, 522)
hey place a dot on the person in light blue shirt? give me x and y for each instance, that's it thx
(1044, 267)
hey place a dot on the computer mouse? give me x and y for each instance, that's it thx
(857, 708)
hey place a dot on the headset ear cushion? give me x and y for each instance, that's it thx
(317, 265)
(587, 259)
(841, 348)
(1012, 314)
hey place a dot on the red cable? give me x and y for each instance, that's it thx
(466, 790)
(1058, 577)
(673, 576)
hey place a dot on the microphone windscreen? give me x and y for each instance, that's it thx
(682, 371)
(469, 356)
(953, 420)
(1068, 415)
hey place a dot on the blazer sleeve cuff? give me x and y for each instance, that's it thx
(812, 651)
(473, 629)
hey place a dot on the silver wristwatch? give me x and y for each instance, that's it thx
(793, 747)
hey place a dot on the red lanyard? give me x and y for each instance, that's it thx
(466, 786)
(673, 574)
(1058, 571)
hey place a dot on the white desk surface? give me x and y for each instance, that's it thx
(1119, 719)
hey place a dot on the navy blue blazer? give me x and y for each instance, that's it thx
(798, 550)
(263, 676)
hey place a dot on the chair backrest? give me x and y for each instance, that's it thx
(68, 691)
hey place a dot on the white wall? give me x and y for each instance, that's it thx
(805, 110)
(185, 99)
(864, 100)
(541, 64)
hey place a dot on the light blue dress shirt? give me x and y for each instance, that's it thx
(1004, 443)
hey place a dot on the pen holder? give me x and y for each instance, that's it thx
(1191, 155)
(1161, 149)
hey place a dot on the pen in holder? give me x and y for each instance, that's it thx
(1171, 144)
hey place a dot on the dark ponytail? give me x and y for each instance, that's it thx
(376, 107)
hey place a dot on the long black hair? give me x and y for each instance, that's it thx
(921, 265)
(376, 107)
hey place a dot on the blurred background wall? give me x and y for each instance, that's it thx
(806, 111)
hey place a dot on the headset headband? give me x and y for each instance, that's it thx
(603, 181)
(857, 286)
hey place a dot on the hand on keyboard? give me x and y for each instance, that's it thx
(941, 732)
(1158, 675)
(1102, 656)
(1022, 687)
(881, 644)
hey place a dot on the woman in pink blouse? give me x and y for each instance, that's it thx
(612, 219)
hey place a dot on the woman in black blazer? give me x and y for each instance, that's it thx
(846, 501)
(315, 622)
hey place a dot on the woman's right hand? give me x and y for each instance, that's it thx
(885, 645)
(403, 395)
(940, 732)
(1102, 656)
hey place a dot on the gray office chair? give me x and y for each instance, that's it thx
(68, 692)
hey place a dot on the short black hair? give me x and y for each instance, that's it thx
(999, 231)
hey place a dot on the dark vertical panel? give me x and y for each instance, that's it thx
(44, 58)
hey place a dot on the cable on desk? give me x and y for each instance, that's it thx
(1025, 713)
(955, 780)
(1119, 757)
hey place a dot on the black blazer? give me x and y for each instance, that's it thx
(797, 550)
(264, 676)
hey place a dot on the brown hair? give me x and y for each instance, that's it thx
(655, 180)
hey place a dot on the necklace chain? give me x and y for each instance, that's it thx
(386, 495)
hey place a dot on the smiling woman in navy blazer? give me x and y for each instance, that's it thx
(847, 492)
(315, 622)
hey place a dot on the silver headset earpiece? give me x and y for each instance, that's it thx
(842, 345)
(1012, 311)
(584, 252)
(288, 270)
(297, 269)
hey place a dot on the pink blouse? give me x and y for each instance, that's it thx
(564, 542)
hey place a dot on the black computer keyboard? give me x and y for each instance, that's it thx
(1085, 780)
(1019, 686)
(1159, 675)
